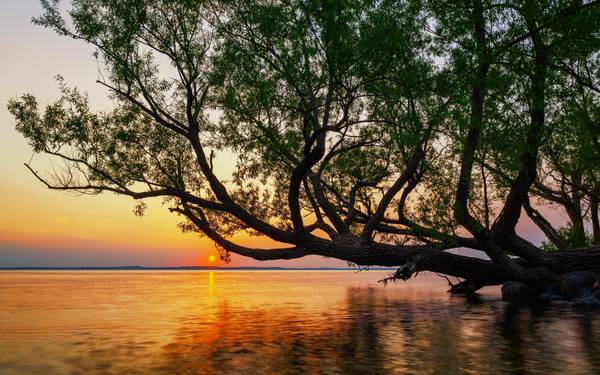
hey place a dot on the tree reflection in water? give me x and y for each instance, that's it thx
(283, 322)
(377, 332)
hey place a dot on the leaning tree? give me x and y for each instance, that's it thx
(376, 132)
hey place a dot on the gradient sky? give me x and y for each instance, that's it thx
(39, 227)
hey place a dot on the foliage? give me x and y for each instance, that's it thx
(567, 234)
(352, 123)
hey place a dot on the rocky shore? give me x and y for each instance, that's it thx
(581, 288)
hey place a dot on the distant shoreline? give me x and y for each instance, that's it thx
(187, 268)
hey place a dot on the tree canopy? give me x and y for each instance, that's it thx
(377, 132)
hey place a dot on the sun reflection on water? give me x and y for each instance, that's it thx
(211, 284)
(277, 322)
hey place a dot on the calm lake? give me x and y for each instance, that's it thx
(278, 322)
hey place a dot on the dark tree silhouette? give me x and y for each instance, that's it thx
(380, 133)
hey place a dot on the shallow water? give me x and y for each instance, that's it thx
(278, 322)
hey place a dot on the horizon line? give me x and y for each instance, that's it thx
(185, 268)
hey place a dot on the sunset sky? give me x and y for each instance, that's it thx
(39, 227)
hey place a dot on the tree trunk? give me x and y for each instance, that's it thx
(478, 273)
(545, 226)
(595, 222)
(577, 235)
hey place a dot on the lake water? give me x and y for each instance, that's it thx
(279, 322)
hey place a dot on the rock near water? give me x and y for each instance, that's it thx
(587, 301)
(516, 291)
(577, 284)
(580, 288)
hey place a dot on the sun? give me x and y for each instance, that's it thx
(212, 258)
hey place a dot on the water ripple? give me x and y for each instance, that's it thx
(279, 323)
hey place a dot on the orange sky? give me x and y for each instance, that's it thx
(43, 227)
(40, 227)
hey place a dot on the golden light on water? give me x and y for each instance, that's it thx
(211, 283)
(269, 322)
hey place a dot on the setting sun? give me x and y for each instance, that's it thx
(317, 150)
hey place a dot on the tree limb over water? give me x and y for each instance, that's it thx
(380, 133)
